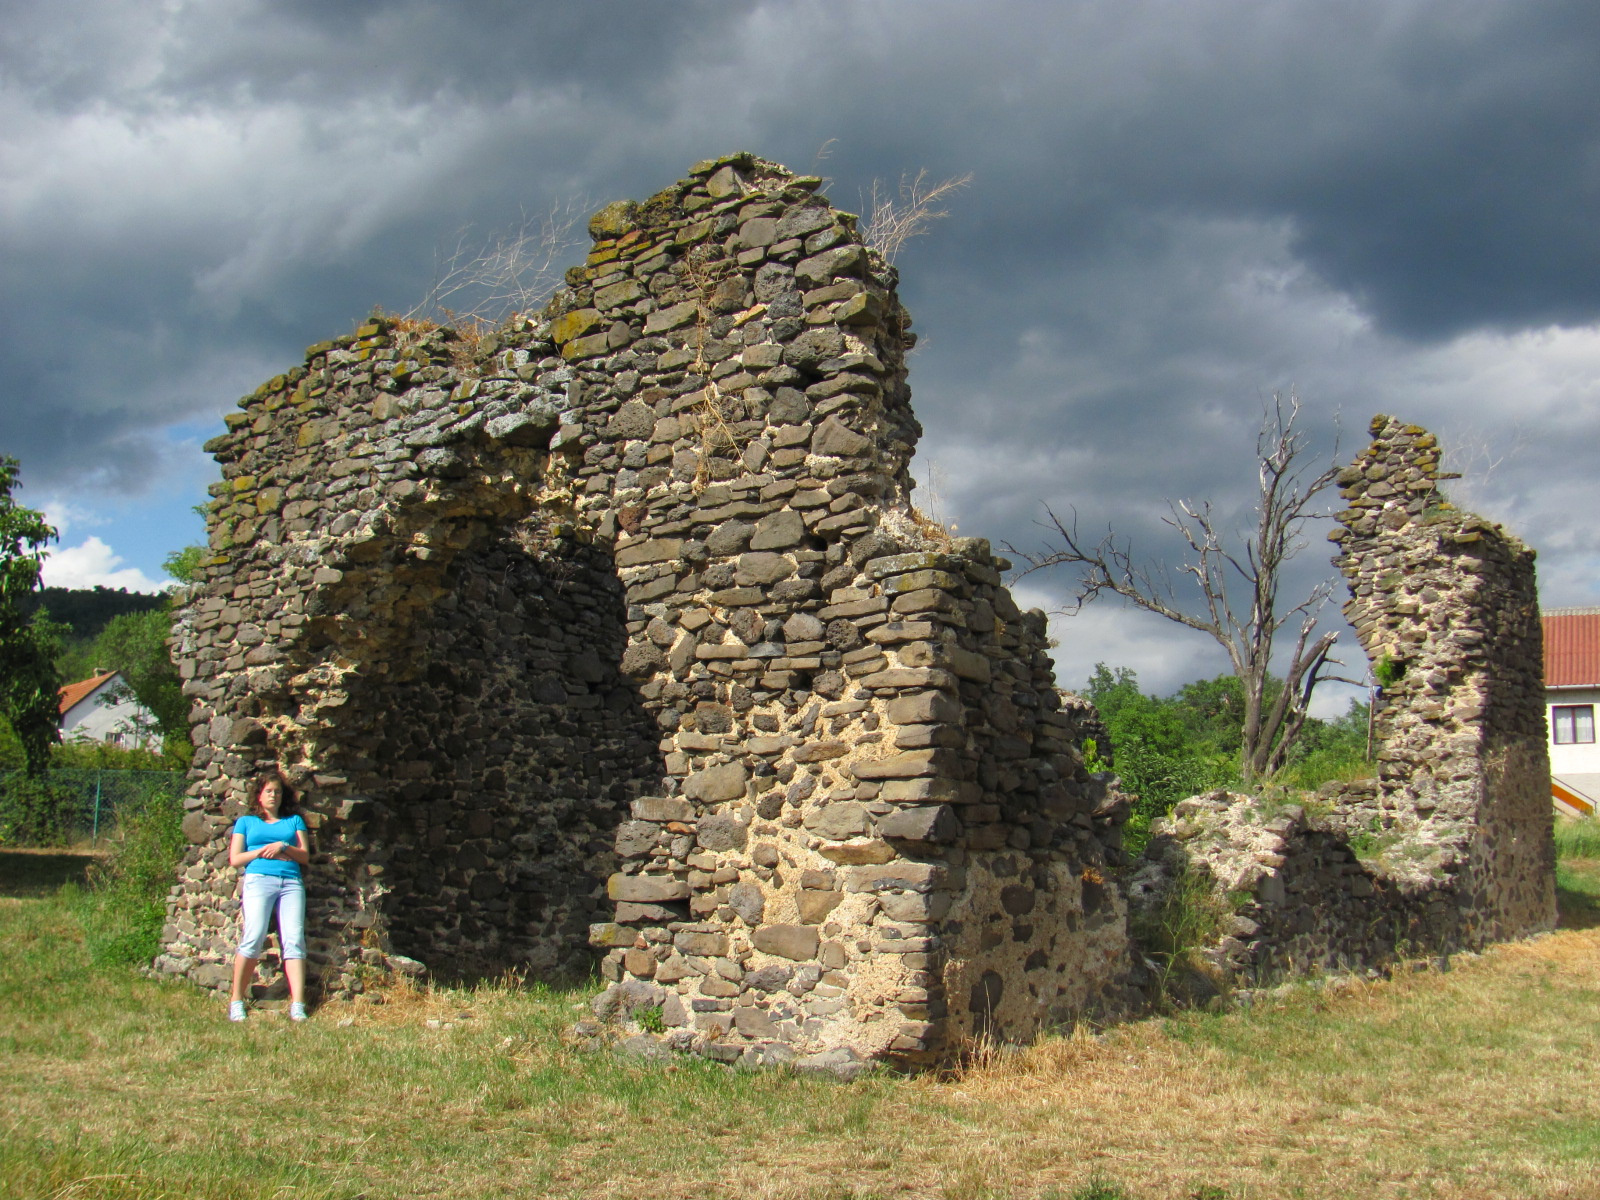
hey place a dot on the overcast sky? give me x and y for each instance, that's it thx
(1177, 209)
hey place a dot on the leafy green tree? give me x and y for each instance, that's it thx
(1166, 749)
(182, 564)
(29, 685)
(87, 610)
(136, 645)
(1332, 749)
(1213, 710)
(1155, 751)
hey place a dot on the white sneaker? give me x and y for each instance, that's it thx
(236, 1010)
(297, 1011)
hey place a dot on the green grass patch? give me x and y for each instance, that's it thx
(1578, 892)
(1578, 872)
(119, 1086)
(66, 1163)
(1577, 837)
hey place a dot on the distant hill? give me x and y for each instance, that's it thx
(88, 610)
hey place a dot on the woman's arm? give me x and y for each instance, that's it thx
(300, 851)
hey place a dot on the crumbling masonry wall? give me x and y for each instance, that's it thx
(616, 628)
(1450, 846)
(1446, 606)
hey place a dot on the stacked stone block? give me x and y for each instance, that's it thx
(617, 626)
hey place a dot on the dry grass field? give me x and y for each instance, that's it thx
(1476, 1081)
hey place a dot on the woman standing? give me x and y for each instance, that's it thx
(271, 847)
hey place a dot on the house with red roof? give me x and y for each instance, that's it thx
(1572, 691)
(102, 709)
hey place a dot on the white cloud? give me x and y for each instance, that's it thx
(65, 515)
(94, 564)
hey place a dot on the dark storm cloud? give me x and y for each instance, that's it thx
(1439, 161)
(237, 53)
(1177, 210)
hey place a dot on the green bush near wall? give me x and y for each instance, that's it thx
(125, 905)
(67, 806)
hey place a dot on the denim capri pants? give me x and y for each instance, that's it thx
(262, 895)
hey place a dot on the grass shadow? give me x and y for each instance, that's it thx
(1578, 893)
(34, 874)
(1576, 910)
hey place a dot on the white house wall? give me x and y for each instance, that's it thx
(1581, 758)
(97, 719)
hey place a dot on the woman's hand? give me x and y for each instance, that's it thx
(270, 850)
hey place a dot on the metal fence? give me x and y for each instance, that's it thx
(88, 799)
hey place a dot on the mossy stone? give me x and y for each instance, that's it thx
(574, 324)
(585, 347)
(613, 220)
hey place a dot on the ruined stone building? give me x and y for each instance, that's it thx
(1450, 846)
(614, 633)
(617, 627)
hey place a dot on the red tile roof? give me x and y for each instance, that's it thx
(1571, 647)
(75, 693)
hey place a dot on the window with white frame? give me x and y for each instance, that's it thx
(1572, 723)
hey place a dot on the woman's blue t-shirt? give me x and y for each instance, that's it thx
(257, 833)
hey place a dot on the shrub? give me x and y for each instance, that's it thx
(1388, 670)
(125, 907)
(1160, 780)
(1189, 916)
(1327, 763)
(651, 1019)
(35, 810)
(104, 756)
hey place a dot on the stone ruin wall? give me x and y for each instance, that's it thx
(616, 628)
(1449, 600)
(613, 633)
(1450, 846)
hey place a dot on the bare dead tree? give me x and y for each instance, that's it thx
(1241, 604)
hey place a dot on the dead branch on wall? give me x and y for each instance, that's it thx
(893, 220)
(483, 283)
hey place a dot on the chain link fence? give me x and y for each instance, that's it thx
(74, 805)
